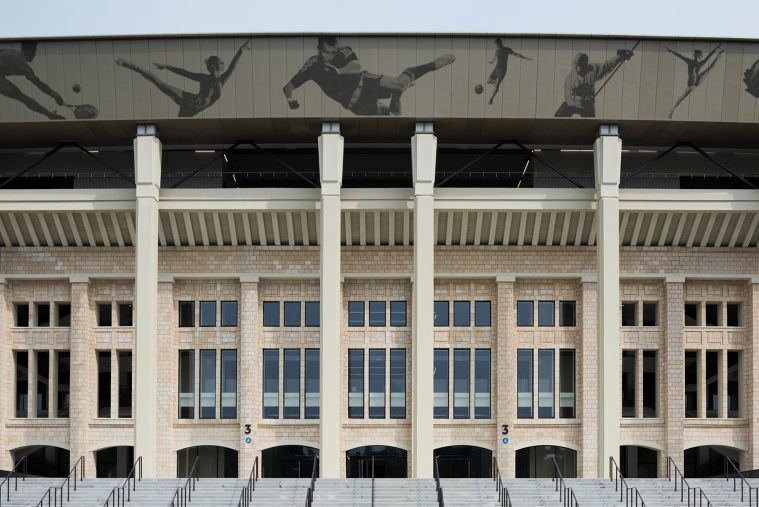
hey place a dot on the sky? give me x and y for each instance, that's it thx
(72, 18)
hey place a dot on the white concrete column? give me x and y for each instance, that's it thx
(607, 161)
(330, 423)
(423, 157)
(7, 395)
(749, 371)
(147, 170)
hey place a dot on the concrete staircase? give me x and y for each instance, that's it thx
(466, 492)
(387, 492)
(278, 492)
(29, 491)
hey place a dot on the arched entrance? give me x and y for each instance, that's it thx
(537, 461)
(44, 460)
(288, 461)
(464, 461)
(709, 460)
(388, 462)
(638, 462)
(213, 461)
(114, 461)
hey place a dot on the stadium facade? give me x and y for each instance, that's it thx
(390, 251)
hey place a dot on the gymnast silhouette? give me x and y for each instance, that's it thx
(695, 74)
(210, 84)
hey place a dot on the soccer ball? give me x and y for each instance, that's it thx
(479, 89)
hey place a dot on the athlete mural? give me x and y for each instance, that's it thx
(751, 78)
(695, 74)
(501, 59)
(209, 85)
(337, 71)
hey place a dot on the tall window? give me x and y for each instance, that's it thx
(377, 383)
(43, 378)
(567, 314)
(355, 313)
(546, 314)
(628, 313)
(271, 313)
(124, 358)
(567, 383)
(291, 409)
(712, 383)
(63, 314)
(398, 313)
(64, 379)
(628, 383)
(21, 311)
(186, 313)
(104, 383)
(376, 315)
(482, 313)
(356, 383)
(649, 383)
(292, 313)
(545, 383)
(312, 384)
(461, 314)
(482, 383)
(104, 315)
(649, 313)
(207, 384)
(733, 383)
(22, 383)
(186, 384)
(228, 382)
(691, 383)
(525, 313)
(712, 315)
(691, 314)
(733, 314)
(207, 313)
(441, 313)
(524, 384)
(398, 383)
(229, 314)
(43, 314)
(312, 314)
(461, 383)
(271, 384)
(441, 384)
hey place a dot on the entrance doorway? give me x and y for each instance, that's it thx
(114, 461)
(464, 462)
(213, 461)
(384, 460)
(709, 460)
(637, 462)
(538, 462)
(288, 461)
(44, 460)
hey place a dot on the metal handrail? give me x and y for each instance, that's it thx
(53, 497)
(372, 481)
(77, 472)
(117, 493)
(247, 492)
(566, 493)
(183, 494)
(698, 494)
(312, 485)
(630, 494)
(438, 487)
(13, 473)
(729, 464)
(504, 499)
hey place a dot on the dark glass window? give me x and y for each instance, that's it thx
(355, 313)
(440, 381)
(313, 314)
(628, 383)
(649, 314)
(207, 384)
(567, 383)
(398, 313)
(649, 383)
(525, 313)
(228, 380)
(292, 313)
(546, 314)
(271, 313)
(377, 383)
(271, 383)
(43, 380)
(186, 384)
(461, 313)
(567, 315)
(482, 313)
(461, 383)
(207, 313)
(376, 314)
(482, 383)
(546, 372)
(312, 384)
(186, 313)
(124, 358)
(291, 383)
(43, 314)
(524, 384)
(22, 314)
(712, 383)
(229, 314)
(356, 383)
(712, 314)
(125, 314)
(398, 383)
(628, 314)
(104, 383)
(104, 315)
(691, 314)
(64, 379)
(22, 383)
(441, 313)
(733, 383)
(691, 383)
(63, 314)
(733, 314)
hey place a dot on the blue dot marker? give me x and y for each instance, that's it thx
(505, 440)
(247, 440)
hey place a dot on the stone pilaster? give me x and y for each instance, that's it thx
(249, 403)
(505, 369)
(82, 404)
(587, 381)
(673, 407)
